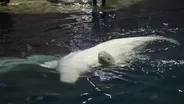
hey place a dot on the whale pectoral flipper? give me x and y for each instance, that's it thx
(50, 64)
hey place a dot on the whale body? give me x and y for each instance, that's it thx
(71, 66)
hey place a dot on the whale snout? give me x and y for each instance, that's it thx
(105, 58)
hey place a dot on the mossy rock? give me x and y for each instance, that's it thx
(28, 6)
(43, 6)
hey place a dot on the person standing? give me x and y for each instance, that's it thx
(95, 2)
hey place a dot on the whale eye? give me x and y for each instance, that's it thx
(108, 58)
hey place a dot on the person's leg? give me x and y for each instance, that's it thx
(53, 1)
(94, 2)
(7, 1)
(103, 2)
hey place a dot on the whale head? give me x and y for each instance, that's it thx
(105, 58)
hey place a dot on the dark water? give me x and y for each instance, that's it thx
(157, 80)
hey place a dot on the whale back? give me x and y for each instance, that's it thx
(124, 49)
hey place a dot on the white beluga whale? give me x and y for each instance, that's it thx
(112, 52)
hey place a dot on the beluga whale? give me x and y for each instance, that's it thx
(115, 52)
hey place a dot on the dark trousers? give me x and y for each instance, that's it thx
(95, 2)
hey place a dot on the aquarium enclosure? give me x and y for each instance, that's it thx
(91, 52)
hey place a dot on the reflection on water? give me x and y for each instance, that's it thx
(156, 79)
(5, 23)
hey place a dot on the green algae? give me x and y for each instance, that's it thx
(43, 6)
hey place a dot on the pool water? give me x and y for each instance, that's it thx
(29, 39)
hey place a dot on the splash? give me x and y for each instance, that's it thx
(9, 64)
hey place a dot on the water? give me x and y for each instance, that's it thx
(155, 80)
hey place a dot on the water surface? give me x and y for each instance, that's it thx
(156, 80)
